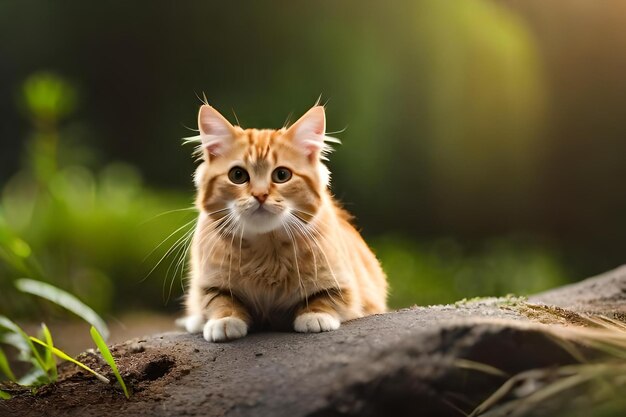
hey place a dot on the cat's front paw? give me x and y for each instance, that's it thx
(193, 324)
(226, 328)
(315, 323)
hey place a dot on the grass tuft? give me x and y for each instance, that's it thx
(601, 379)
(28, 344)
(50, 361)
(5, 368)
(108, 357)
(44, 369)
(67, 357)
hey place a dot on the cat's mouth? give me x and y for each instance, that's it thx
(262, 219)
(265, 210)
(261, 210)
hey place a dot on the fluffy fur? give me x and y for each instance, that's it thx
(268, 252)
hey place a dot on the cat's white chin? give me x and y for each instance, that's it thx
(261, 222)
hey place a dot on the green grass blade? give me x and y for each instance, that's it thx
(4, 395)
(106, 354)
(66, 357)
(480, 367)
(65, 300)
(5, 368)
(14, 328)
(50, 361)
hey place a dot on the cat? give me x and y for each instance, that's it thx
(272, 247)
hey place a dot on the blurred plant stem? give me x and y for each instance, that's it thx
(47, 99)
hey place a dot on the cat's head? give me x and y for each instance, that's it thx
(263, 179)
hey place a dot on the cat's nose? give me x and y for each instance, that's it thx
(260, 197)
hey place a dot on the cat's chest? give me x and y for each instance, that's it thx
(273, 263)
(269, 276)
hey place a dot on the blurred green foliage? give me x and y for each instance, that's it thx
(90, 229)
(443, 270)
(98, 233)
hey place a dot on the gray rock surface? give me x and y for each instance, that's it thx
(422, 361)
(605, 293)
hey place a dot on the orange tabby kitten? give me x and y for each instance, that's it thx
(272, 247)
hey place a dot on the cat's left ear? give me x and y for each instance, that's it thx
(216, 133)
(308, 133)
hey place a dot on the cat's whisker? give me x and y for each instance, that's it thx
(299, 227)
(230, 263)
(224, 234)
(334, 133)
(165, 213)
(217, 211)
(178, 261)
(168, 237)
(215, 232)
(184, 246)
(166, 279)
(236, 118)
(325, 289)
(181, 263)
(240, 246)
(178, 251)
(170, 250)
(314, 219)
(295, 257)
(307, 240)
(213, 223)
(314, 229)
(317, 243)
(216, 237)
(287, 120)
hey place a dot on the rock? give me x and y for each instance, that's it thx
(426, 361)
(602, 294)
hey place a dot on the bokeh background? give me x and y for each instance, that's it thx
(484, 142)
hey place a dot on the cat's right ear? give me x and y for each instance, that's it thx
(216, 133)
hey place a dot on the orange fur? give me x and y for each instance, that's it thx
(310, 270)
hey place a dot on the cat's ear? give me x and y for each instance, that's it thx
(308, 133)
(216, 133)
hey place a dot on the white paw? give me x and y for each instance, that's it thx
(193, 324)
(315, 323)
(227, 328)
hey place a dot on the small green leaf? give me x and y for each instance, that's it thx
(50, 361)
(5, 368)
(66, 357)
(106, 354)
(4, 395)
(65, 300)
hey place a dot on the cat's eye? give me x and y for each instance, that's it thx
(281, 174)
(238, 175)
